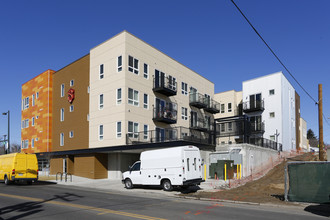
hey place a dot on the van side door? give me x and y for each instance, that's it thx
(135, 173)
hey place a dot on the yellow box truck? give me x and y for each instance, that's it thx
(18, 166)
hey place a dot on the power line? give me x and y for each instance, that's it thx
(316, 102)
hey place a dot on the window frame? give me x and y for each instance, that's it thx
(119, 100)
(61, 139)
(101, 135)
(184, 88)
(132, 101)
(145, 71)
(62, 89)
(71, 82)
(119, 132)
(71, 134)
(145, 132)
(119, 64)
(71, 108)
(229, 108)
(134, 69)
(62, 114)
(101, 101)
(271, 114)
(222, 110)
(145, 101)
(271, 92)
(184, 113)
(101, 71)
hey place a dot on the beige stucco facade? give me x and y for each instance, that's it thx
(105, 56)
(231, 97)
(303, 145)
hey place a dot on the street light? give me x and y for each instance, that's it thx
(8, 114)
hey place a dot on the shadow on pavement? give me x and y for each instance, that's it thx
(321, 209)
(183, 190)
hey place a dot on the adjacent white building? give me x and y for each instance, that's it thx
(271, 100)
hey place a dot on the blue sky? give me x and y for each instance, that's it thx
(209, 37)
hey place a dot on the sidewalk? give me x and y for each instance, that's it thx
(116, 185)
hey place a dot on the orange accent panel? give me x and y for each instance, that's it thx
(42, 108)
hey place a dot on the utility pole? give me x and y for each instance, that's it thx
(322, 153)
(8, 115)
(277, 134)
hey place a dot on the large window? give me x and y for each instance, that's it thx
(62, 114)
(184, 113)
(146, 71)
(62, 90)
(119, 96)
(222, 108)
(133, 97)
(101, 105)
(133, 129)
(229, 107)
(133, 65)
(184, 88)
(25, 103)
(145, 132)
(118, 129)
(119, 63)
(101, 71)
(62, 139)
(101, 132)
(145, 101)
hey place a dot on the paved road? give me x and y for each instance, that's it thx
(51, 201)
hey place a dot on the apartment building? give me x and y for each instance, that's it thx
(229, 131)
(36, 114)
(122, 98)
(271, 102)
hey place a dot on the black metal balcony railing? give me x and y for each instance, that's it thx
(166, 86)
(266, 143)
(170, 135)
(197, 100)
(165, 114)
(257, 127)
(253, 106)
(201, 125)
(212, 106)
(235, 128)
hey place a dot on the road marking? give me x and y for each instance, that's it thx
(100, 210)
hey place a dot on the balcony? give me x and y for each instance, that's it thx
(199, 124)
(197, 100)
(257, 128)
(165, 114)
(212, 106)
(174, 135)
(165, 85)
(254, 106)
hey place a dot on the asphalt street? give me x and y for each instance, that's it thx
(51, 201)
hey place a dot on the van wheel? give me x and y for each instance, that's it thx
(167, 186)
(29, 182)
(128, 184)
(7, 182)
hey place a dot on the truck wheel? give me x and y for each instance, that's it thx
(29, 182)
(167, 186)
(128, 184)
(7, 182)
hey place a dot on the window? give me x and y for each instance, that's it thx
(184, 88)
(100, 132)
(62, 114)
(184, 113)
(101, 72)
(119, 96)
(37, 139)
(25, 144)
(133, 65)
(32, 143)
(71, 108)
(229, 107)
(71, 82)
(172, 82)
(230, 126)
(272, 114)
(133, 129)
(32, 121)
(145, 132)
(119, 63)
(222, 108)
(27, 123)
(118, 129)
(37, 95)
(62, 90)
(133, 97)
(61, 139)
(101, 101)
(195, 163)
(25, 103)
(88, 89)
(222, 127)
(37, 116)
(272, 92)
(146, 71)
(71, 134)
(145, 101)
(33, 97)
(187, 164)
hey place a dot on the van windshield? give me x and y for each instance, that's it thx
(136, 166)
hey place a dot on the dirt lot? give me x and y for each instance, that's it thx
(268, 189)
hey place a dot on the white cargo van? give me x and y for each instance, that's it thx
(177, 166)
